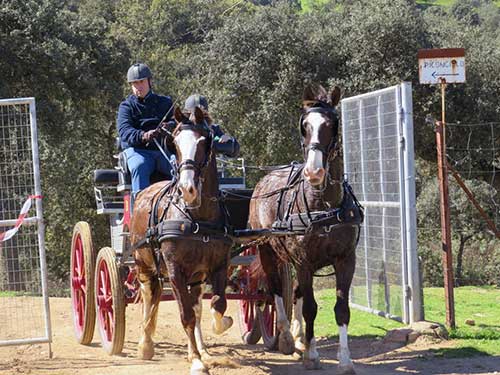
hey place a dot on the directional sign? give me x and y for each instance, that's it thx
(441, 65)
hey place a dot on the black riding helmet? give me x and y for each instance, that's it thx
(195, 100)
(137, 72)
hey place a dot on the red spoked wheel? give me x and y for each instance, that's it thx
(110, 302)
(247, 317)
(266, 312)
(82, 283)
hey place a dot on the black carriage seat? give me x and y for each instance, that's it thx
(237, 202)
(108, 177)
(108, 201)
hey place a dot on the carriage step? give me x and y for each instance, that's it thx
(242, 260)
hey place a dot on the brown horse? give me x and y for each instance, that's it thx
(318, 188)
(189, 246)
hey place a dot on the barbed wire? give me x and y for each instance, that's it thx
(473, 149)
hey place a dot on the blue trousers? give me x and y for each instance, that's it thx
(142, 163)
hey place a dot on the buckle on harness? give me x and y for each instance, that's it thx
(150, 234)
(205, 239)
(197, 229)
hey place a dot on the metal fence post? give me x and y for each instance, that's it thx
(414, 281)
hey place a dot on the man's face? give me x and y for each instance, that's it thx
(140, 88)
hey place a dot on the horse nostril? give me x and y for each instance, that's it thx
(190, 190)
(319, 172)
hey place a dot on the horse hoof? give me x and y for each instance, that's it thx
(346, 369)
(299, 345)
(286, 344)
(312, 364)
(198, 368)
(205, 357)
(225, 323)
(146, 350)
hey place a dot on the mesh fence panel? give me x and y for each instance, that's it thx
(373, 164)
(23, 306)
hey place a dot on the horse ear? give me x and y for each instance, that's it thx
(178, 115)
(308, 94)
(198, 115)
(314, 93)
(334, 96)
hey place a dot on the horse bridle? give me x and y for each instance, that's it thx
(190, 164)
(331, 113)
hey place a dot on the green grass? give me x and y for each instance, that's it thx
(481, 304)
(8, 294)
(445, 3)
(18, 294)
(363, 324)
(307, 5)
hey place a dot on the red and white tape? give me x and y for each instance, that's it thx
(4, 236)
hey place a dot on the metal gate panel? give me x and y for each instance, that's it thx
(24, 303)
(377, 132)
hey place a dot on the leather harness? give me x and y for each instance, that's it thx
(160, 229)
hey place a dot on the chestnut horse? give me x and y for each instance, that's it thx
(188, 260)
(319, 188)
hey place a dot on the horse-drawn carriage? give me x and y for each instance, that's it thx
(104, 282)
(183, 232)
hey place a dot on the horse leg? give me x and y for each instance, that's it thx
(309, 310)
(218, 304)
(269, 261)
(297, 328)
(150, 289)
(344, 270)
(188, 316)
(196, 291)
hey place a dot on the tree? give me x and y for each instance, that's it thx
(68, 63)
(466, 222)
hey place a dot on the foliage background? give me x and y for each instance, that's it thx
(251, 59)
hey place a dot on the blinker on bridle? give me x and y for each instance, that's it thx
(331, 113)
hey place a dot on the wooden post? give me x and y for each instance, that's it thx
(445, 213)
(489, 222)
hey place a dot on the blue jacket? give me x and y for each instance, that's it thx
(230, 148)
(135, 117)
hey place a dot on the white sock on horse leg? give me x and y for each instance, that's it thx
(281, 318)
(343, 355)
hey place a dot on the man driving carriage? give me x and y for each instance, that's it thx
(138, 120)
(141, 119)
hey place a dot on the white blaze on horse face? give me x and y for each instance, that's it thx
(187, 143)
(314, 170)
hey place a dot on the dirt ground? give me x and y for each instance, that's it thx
(370, 357)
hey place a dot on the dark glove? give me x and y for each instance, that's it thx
(166, 128)
(168, 125)
(150, 135)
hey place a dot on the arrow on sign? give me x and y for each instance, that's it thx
(435, 74)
